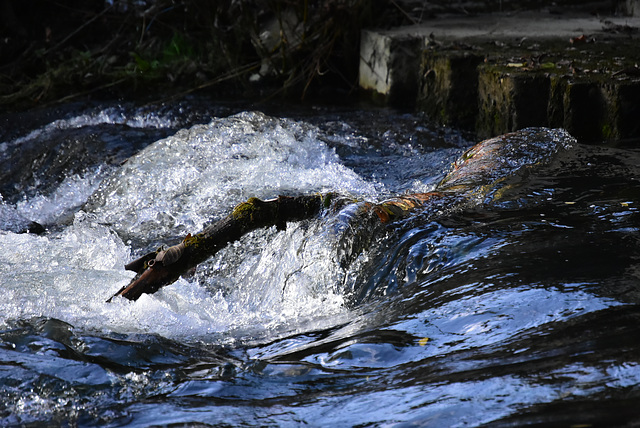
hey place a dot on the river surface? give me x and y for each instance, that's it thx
(521, 308)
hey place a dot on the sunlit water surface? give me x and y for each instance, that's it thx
(516, 310)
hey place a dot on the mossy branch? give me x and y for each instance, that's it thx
(475, 173)
(164, 266)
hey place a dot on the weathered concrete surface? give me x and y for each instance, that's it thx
(497, 73)
(631, 7)
(389, 66)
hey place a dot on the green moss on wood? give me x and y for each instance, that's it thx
(246, 210)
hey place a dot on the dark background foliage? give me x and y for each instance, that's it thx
(56, 50)
(53, 49)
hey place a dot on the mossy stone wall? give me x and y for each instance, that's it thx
(589, 85)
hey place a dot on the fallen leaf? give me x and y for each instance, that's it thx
(576, 40)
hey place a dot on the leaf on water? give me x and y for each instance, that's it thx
(423, 341)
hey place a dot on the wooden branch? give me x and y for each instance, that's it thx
(475, 172)
(165, 266)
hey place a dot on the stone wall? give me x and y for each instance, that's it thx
(492, 74)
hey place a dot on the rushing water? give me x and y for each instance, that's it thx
(518, 309)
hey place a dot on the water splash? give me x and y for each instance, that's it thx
(180, 183)
(68, 277)
(173, 187)
(492, 314)
(108, 116)
(65, 200)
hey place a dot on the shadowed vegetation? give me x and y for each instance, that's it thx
(54, 51)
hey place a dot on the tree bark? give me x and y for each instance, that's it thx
(474, 174)
(164, 266)
(156, 269)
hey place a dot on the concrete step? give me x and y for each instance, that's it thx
(496, 73)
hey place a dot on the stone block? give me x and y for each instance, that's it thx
(449, 88)
(510, 101)
(389, 66)
(557, 89)
(627, 109)
(493, 74)
(585, 111)
(631, 7)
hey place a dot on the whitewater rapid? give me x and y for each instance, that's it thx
(172, 187)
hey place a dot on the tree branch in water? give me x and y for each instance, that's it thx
(475, 173)
(165, 266)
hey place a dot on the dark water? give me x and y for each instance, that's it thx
(521, 310)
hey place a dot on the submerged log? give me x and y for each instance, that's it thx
(474, 173)
(165, 266)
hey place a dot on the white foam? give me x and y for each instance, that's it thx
(108, 116)
(181, 182)
(10, 218)
(70, 276)
(68, 197)
(271, 281)
(60, 276)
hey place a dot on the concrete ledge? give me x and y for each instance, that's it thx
(500, 73)
(448, 82)
(389, 67)
(632, 7)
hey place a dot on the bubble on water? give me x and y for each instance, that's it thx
(179, 183)
(70, 195)
(138, 118)
(272, 280)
